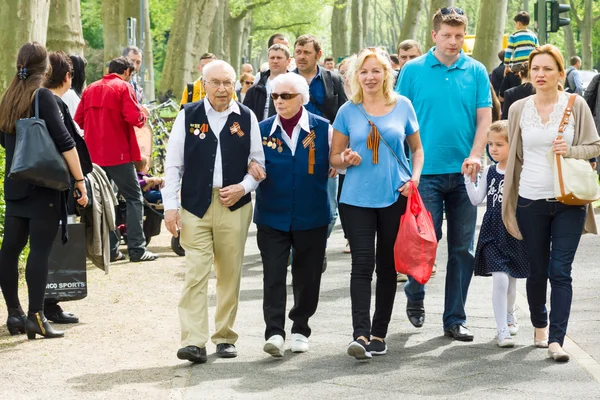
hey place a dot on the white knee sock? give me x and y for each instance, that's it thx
(499, 299)
(511, 294)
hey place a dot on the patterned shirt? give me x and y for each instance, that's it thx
(520, 45)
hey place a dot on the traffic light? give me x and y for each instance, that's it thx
(555, 20)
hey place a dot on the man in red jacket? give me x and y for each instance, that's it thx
(108, 111)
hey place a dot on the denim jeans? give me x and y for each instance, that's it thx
(551, 231)
(447, 192)
(332, 190)
(125, 178)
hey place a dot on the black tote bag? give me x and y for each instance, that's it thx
(36, 159)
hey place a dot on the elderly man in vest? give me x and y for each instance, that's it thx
(292, 210)
(212, 143)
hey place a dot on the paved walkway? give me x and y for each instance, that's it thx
(125, 346)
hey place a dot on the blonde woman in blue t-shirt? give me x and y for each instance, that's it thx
(368, 140)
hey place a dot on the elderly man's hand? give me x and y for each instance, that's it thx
(173, 222)
(257, 171)
(231, 194)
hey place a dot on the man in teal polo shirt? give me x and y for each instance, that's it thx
(451, 96)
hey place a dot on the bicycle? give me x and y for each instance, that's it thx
(160, 134)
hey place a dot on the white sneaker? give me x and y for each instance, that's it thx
(274, 346)
(511, 319)
(401, 277)
(504, 339)
(299, 343)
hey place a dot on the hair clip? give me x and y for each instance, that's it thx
(22, 73)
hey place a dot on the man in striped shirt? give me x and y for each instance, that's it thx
(520, 43)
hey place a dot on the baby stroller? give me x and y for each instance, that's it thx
(153, 216)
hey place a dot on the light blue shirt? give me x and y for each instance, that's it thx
(446, 100)
(376, 185)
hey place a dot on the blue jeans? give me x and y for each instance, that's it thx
(551, 231)
(332, 190)
(448, 192)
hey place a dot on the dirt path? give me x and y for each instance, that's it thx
(124, 347)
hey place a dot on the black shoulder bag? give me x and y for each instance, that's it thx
(36, 159)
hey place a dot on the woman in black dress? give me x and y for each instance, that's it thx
(525, 89)
(32, 212)
(59, 82)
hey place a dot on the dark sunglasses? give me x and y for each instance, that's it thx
(450, 10)
(248, 82)
(284, 96)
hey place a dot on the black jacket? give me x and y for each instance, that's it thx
(256, 97)
(335, 96)
(513, 94)
(496, 77)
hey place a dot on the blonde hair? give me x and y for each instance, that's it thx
(388, 81)
(500, 127)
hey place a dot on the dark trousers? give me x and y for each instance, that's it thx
(309, 251)
(125, 178)
(341, 209)
(41, 234)
(551, 231)
(362, 225)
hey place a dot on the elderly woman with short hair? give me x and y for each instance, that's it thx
(369, 139)
(292, 209)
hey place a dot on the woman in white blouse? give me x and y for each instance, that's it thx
(551, 230)
(73, 96)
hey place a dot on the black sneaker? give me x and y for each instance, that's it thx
(377, 347)
(147, 256)
(358, 350)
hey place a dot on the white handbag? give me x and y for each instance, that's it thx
(575, 182)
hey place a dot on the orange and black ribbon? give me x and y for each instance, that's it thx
(373, 142)
(311, 158)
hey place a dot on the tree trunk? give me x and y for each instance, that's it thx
(185, 44)
(64, 27)
(22, 21)
(149, 89)
(115, 28)
(235, 45)
(490, 30)
(339, 29)
(217, 34)
(365, 22)
(434, 6)
(570, 48)
(586, 29)
(356, 37)
(411, 20)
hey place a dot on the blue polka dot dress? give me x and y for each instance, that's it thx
(497, 250)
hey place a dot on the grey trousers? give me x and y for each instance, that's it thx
(125, 178)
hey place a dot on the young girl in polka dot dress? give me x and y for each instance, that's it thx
(498, 253)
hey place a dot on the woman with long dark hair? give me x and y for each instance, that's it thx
(72, 96)
(32, 212)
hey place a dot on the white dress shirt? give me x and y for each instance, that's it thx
(72, 101)
(302, 124)
(174, 167)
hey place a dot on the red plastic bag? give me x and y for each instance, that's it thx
(416, 243)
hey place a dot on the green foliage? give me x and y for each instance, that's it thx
(91, 22)
(162, 13)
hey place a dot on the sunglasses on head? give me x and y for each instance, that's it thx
(284, 96)
(450, 10)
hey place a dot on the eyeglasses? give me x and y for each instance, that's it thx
(215, 83)
(284, 96)
(248, 82)
(450, 10)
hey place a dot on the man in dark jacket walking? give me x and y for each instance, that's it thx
(108, 112)
(258, 97)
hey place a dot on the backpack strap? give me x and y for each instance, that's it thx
(190, 88)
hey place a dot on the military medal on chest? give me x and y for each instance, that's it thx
(199, 130)
(279, 146)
